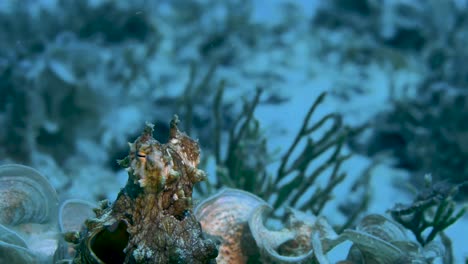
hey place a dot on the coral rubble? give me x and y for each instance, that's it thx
(152, 220)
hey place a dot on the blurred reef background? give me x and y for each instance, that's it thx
(338, 108)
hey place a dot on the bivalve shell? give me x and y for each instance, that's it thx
(26, 196)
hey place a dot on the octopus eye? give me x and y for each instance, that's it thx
(141, 155)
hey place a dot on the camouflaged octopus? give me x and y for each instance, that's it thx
(151, 220)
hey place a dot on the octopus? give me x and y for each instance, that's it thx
(151, 220)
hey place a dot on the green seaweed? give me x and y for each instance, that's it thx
(244, 163)
(433, 209)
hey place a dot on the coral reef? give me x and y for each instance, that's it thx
(152, 220)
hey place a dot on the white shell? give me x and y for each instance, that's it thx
(382, 227)
(238, 218)
(312, 237)
(378, 239)
(26, 196)
(374, 249)
(28, 216)
(268, 241)
(225, 215)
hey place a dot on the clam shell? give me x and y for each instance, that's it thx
(26, 196)
(72, 216)
(226, 215)
(381, 240)
(28, 216)
(268, 240)
(309, 237)
(373, 238)
(373, 249)
(434, 250)
(238, 218)
(382, 227)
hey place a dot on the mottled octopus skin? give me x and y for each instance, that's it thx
(152, 216)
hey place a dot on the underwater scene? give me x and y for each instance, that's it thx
(233, 131)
